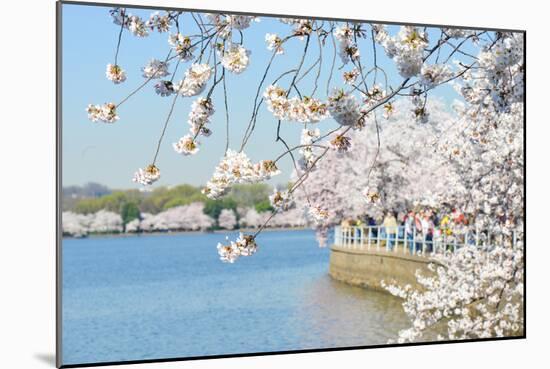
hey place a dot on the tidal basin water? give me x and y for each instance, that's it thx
(169, 296)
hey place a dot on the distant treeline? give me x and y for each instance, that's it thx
(130, 204)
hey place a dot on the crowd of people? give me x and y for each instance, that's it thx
(419, 229)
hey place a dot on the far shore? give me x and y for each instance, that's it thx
(175, 233)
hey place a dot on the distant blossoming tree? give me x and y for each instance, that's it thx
(227, 219)
(133, 226)
(76, 225)
(250, 218)
(180, 218)
(103, 221)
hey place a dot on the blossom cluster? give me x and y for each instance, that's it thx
(457, 32)
(347, 47)
(406, 48)
(244, 245)
(302, 27)
(274, 43)
(373, 96)
(194, 81)
(147, 176)
(419, 112)
(115, 73)
(433, 75)
(105, 113)
(155, 69)
(236, 167)
(318, 213)
(164, 88)
(351, 76)
(182, 46)
(345, 109)
(281, 200)
(389, 110)
(304, 110)
(225, 24)
(161, 23)
(308, 137)
(372, 196)
(137, 26)
(235, 58)
(199, 116)
(186, 145)
(341, 143)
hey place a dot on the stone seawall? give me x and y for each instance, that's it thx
(367, 268)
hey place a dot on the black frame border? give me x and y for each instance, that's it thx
(59, 148)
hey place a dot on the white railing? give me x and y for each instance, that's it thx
(396, 239)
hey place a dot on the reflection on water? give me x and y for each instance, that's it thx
(149, 297)
(338, 313)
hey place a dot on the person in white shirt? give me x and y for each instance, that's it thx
(428, 231)
(409, 230)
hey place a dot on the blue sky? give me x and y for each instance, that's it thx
(111, 153)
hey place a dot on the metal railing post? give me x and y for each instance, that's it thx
(387, 239)
(368, 237)
(423, 245)
(378, 238)
(396, 245)
(414, 240)
(405, 241)
(345, 235)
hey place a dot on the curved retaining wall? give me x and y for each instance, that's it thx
(367, 268)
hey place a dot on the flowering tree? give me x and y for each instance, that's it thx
(180, 218)
(252, 219)
(79, 225)
(345, 86)
(486, 142)
(133, 226)
(372, 179)
(479, 292)
(105, 221)
(227, 219)
(294, 217)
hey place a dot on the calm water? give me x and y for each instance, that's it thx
(150, 297)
